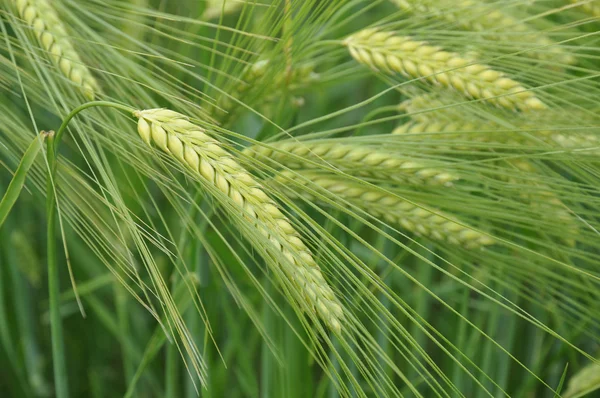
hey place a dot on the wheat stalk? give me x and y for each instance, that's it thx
(384, 51)
(354, 159)
(477, 16)
(382, 205)
(53, 37)
(173, 133)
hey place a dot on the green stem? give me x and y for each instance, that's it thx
(58, 354)
(74, 112)
(58, 349)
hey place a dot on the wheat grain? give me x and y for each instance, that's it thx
(173, 133)
(52, 36)
(354, 159)
(429, 223)
(384, 51)
(491, 21)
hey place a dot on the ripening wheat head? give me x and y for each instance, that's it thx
(386, 52)
(50, 31)
(489, 132)
(494, 22)
(459, 133)
(543, 199)
(354, 159)
(191, 146)
(383, 205)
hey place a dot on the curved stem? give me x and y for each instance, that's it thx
(74, 112)
(58, 352)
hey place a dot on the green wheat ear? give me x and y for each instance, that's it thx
(430, 223)
(389, 53)
(191, 146)
(354, 159)
(491, 22)
(53, 37)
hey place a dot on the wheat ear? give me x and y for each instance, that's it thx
(460, 131)
(354, 159)
(188, 143)
(544, 200)
(382, 205)
(389, 53)
(478, 16)
(53, 37)
(489, 132)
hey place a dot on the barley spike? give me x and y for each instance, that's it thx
(50, 31)
(188, 143)
(383, 205)
(489, 132)
(386, 52)
(353, 159)
(491, 21)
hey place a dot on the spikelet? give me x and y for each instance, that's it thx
(591, 7)
(386, 52)
(173, 133)
(382, 205)
(439, 126)
(53, 37)
(424, 107)
(492, 21)
(354, 159)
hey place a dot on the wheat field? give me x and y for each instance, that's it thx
(277, 198)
